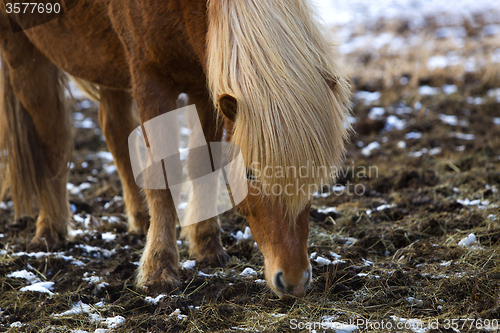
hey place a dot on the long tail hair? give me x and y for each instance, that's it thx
(23, 166)
(275, 59)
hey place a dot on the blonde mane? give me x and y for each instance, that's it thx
(274, 58)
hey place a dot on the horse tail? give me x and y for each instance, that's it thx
(23, 167)
(276, 61)
(88, 88)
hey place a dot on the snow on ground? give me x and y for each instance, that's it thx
(340, 12)
(469, 241)
(41, 287)
(247, 234)
(248, 272)
(81, 308)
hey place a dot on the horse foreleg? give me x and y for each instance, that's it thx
(117, 122)
(158, 270)
(204, 237)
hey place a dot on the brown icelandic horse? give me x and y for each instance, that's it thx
(264, 67)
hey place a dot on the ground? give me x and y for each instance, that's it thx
(409, 235)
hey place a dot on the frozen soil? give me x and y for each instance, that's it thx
(410, 231)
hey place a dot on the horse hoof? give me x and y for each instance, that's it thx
(139, 224)
(215, 260)
(42, 244)
(162, 286)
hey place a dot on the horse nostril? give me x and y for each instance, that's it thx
(278, 283)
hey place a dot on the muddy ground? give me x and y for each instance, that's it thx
(390, 243)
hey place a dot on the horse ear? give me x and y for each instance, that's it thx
(228, 105)
(332, 82)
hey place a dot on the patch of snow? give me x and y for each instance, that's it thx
(102, 285)
(367, 151)
(329, 210)
(177, 313)
(110, 169)
(248, 272)
(367, 262)
(367, 97)
(336, 188)
(394, 122)
(323, 261)
(189, 264)
(91, 279)
(435, 151)
(96, 250)
(437, 62)
(108, 236)
(114, 219)
(414, 301)
(41, 287)
(24, 274)
(450, 120)
(401, 145)
(78, 218)
(474, 100)
(155, 300)
(449, 89)
(477, 202)
(495, 93)
(87, 123)
(413, 135)
(105, 155)
(428, 91)
(260, 281)
(418, 153)
(114, 322)
(77, 189)
(383, 207)
(76, 309)
(376, 113)
(468, 241)
(200, 273)
(243, 235)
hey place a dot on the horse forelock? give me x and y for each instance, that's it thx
(275, 59)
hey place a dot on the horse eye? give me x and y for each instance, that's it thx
(251, 176)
